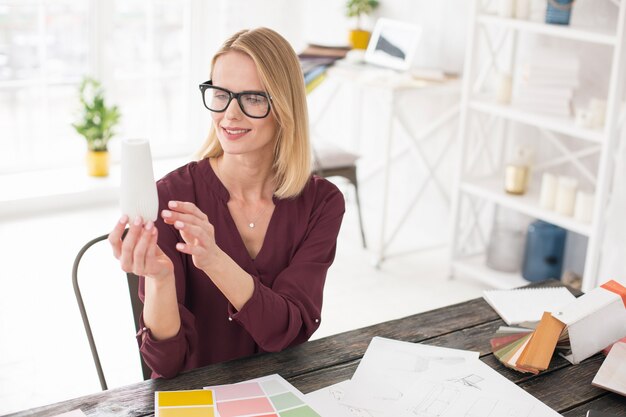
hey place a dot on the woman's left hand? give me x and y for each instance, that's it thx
(196, 231)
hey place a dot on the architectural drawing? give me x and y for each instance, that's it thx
(482, 407)
(491, 407)
(329, 402)
(471, 380)
(414, 380)
(436, 402)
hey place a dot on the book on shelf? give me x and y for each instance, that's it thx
(546, 83)
(529, 72)
(307, 65)
(315, 60)
(552, 110)
(552, 82)
(315, 82)
(313, 73)
(316, 51)
(543, 92)
(553, 58)
(558, 111)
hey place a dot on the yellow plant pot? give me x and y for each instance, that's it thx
(359, 39)
(98, 163)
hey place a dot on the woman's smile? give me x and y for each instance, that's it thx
(234, 133)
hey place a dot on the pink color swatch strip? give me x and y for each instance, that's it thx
(244, 407)
(243, 390)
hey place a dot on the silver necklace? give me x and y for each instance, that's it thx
(251, 223)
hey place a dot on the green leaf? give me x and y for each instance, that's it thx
(96, 121)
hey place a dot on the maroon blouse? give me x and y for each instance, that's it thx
(289, 274)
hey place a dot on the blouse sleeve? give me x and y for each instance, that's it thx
(167, 358)
(289, 312)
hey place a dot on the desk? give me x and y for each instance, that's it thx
(320, 363)
(392, 84)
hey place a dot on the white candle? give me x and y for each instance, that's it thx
(522, 9)
(583, 118)
(504, 88)
(547, 195)
(565, 196)
(506, 8)
(597, 113)
(138, 193)
(584, 207)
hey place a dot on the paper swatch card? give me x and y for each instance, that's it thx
(270, 396)
(612, 374)
(527, 304)
(538, 353)
(189, 403)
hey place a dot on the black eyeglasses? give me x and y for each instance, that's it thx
(255, 104)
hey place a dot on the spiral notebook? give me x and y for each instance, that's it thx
(527, 304)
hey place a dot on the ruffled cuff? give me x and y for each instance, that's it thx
(164, 357)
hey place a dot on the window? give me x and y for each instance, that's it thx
(139, 49)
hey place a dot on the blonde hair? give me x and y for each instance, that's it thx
(281, 76)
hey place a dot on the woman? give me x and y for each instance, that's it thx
(237, 261)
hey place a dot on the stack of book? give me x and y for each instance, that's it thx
(546, 83)
(315, 60)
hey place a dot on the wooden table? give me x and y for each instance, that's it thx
(319, 363)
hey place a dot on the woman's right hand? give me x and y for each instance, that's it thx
(138, 252)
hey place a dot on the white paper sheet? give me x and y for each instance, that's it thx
(400, 363)
(73, 413)
(403, 379)
(328, 401)
(473, 389)
(389, 367)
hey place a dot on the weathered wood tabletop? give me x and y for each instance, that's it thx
(320, 363)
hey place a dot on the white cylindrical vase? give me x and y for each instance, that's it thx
(138, 192)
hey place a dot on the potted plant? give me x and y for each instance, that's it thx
(96, 124)
(359, 8)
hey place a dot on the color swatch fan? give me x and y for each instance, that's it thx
(138, 192)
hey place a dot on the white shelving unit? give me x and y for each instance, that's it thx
(486, 127)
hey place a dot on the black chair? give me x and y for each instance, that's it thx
(137, 307)
(332, 161)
